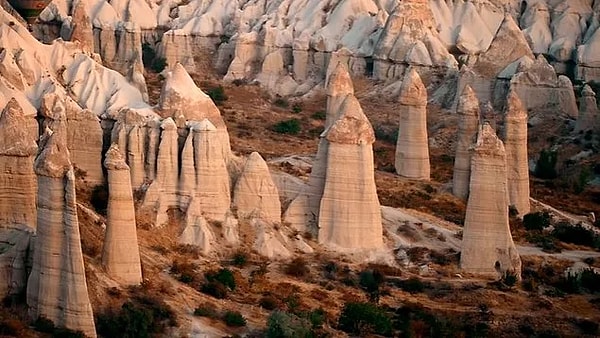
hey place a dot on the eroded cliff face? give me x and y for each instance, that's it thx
(487, 246)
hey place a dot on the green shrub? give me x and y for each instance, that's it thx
(546, 165)
(296, 108)
(537, 220)
(217, 94)
(370, 281)
(317, 318)
(159, 64)
(205, 311)
(386, 135)
(297, 267)
(291, 127)
(509, 279)
(268, 302)
(223, 276)
(320, 115)
(364, 318)
(234, 319)
(412, 285)
(239, 259)
(214, 289)
(281, 102)
(286, 325)
(576, 234)
(148, 54)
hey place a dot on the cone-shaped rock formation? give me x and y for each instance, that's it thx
(57, 287)
(18, 184)
(589, 115)
(487, 245)
(517, 161)
(412, 148)
(468, 122)
(120, 255)
(255, 194)
(349, 216)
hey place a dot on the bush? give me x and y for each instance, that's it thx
(291, 127)
(223, 276)
(99, 198)
(576, 234)
(370, 281)
(239, 259)
(148, 54)
(234, 319)
(205, 311)
(286, 325)
(296, 108)
(159, 64)
(588, 327)
(320, 115)
(364, 318)
(537, 220)
(546, 165)
(217, 94)
(412, 285)
(281, 102)
(317, 318)
(297, 267)
(509, 279)
(386, 135)
(268, 302)
(214, 289)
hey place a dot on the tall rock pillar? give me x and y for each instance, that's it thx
(412, 148)
(487, 245)
(468, 122)
(120, 254)
(517, 161)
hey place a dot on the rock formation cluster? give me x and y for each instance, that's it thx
(412, 148)
(487, 245)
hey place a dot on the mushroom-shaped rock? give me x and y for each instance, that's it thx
(339, 84)
(589, 115)
(120, 255)
(468, 122)
(18, 183)
(517, 161)
(487, 245)
(255, 194)
(349, 216)
(57, 288)
(412, 147)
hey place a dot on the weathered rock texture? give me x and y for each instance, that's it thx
(487, 246)
(412, 148)
(212, 189)
(517, 160)
(82, 29)
(339, 85)
(468, 122)
(255, 194)
(197, 230)
(349, 216)
(13, 260)
(589, 115)
(18, 184)
(120, 255)
(57, 287)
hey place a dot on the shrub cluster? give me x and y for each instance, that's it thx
(364, 318)
(218, 283)
(291, 127)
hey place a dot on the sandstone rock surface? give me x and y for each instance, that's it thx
(349, 215)
(468, 124)
(487, 246)
(517, 160)
(120, 254)
(57, 288)
(412, 147)
(589, 115)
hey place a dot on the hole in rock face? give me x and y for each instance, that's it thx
(497, 266)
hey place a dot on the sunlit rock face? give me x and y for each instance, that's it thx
(589, 115)
(57, 288)
(412, 148)
(349, 215)
(120, 254)
(487, 246)
(468, 124)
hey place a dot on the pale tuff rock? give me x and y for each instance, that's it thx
(84, 133)
(10, 70)
(339, 85)
(120, 254)
(255, 194)
(187, 174)
(152, 144)
(349, 216)
(508, 45)
(544, 90)
(163, 192)
(412, 148)
(481, 86)
(589, 116)
(274, 77)
(487, 246)
(197, 230)
(517, 160)
(82, 30)
(211, 175)
(57, 288)
(298, 213)
(17, 181)
(230, 230)
(269, 242)
(535, 22)
(13, 260)
(130, 135)
(468, 123)
(588, 55)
